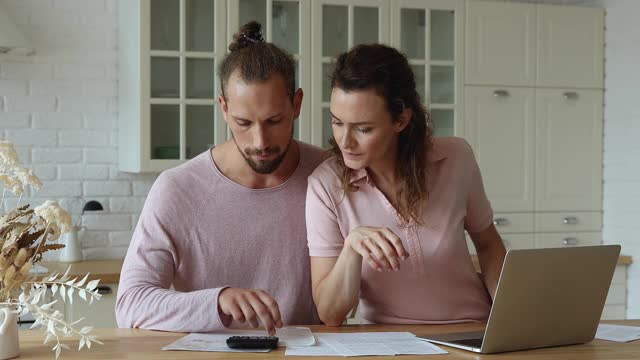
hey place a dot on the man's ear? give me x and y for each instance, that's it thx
(223, 106)
(297, 102)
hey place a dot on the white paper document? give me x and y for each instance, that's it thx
(411, 347)
(619, 333)
(207, 342)
(321, 348)
(366, 344)
(292, 336)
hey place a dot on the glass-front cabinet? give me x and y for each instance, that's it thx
(337, 26)
(429, 33)
(168, 84)
(170, 51)
(285, 24)
(182, 58)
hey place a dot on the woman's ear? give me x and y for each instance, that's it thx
(403, 119)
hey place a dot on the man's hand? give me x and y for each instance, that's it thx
(250, 305)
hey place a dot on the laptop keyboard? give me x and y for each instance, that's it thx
(476, 343)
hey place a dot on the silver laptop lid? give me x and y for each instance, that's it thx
(549, 297)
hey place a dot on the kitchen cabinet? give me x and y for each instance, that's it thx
(519, 44)
(337, 26)
(170, 50)
(533, 115)
(500, 43)
(568, 150)
(168, 86)
(570, 46)
(500, 127)
(430, 33)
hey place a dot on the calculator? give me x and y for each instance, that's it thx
(252, 342)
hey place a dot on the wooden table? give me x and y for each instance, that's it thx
(145, 344)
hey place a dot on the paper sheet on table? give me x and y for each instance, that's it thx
(366, 344)
(292, 336)
(619, 333)
(207, 342)
(321, 348)
(413, 347)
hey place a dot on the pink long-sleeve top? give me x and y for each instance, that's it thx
(200, 232)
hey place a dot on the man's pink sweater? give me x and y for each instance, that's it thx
(200, 232)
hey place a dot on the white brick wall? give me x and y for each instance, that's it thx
(60, 109)
(13, 120)
(621, 223)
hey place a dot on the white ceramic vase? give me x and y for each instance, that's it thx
(71, 252)
(9, 344)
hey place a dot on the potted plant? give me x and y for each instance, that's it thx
(25, 235)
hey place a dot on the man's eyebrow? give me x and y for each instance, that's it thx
(243, 119)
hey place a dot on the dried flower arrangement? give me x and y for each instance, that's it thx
(25, 234)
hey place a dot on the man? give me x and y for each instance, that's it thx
(227, 229)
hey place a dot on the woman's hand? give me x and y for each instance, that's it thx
(379, 247)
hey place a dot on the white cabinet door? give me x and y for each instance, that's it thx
(168, 86)
(429, 33)
(100, 314)
(500, 128)
(568, 150)
(338, 25)
(500, 43)
(570, 46)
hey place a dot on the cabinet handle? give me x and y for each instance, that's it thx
(501, 222)
(570, 220)
(570, 95)
(501, 93)
(570, 241)
(104, 290)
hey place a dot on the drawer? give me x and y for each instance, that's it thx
(507, 223)
(511, 242)
(518, 241)
(100, 314)
(568, 221)
(614, 312)
(550, 240)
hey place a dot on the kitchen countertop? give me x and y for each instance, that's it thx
(108, 271)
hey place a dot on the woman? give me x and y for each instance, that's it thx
(386, 214)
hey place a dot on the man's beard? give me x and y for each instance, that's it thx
(267, 166)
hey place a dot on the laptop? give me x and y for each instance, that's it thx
(545, 297)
